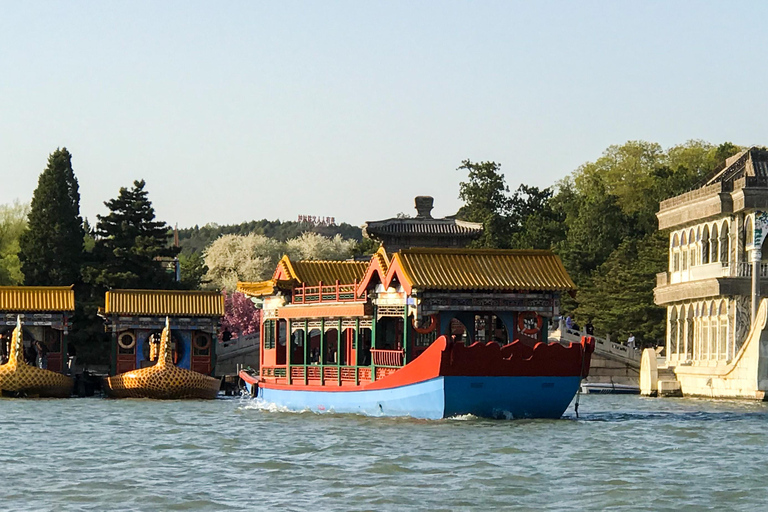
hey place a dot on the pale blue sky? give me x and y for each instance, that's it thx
(235, 111)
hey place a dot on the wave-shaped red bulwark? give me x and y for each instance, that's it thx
(445, 358)
(517, 358)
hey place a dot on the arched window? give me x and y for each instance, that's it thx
(704, 332)
(675, 253)
(723, 320)
(692, 251)
(684, 251)
(713, 332)
(724, 243)
(705, 245)
(689, 325)
(673, 330)
(713, 244)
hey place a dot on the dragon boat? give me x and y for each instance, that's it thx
(164, 380)
(17, 378)
(426, 332)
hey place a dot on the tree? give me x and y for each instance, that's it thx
(313, 246)
(619, 300)
(485, 200)
(51, 250)
(13, 223)
(233, 258)
(193, 270)
(240, 315)
(130, 244)
(536, 220)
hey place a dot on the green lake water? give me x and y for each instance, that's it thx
(623, 453)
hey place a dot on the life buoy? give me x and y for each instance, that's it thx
(529, 323)
(206, 342)
(426, 330)
(127, 345)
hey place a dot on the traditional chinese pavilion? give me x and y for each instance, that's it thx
(336, 323)
(45, 312)
(422, 230)
(136, 319)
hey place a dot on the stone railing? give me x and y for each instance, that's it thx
(603, 346)
(693, 195)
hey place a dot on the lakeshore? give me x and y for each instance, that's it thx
(234, 454)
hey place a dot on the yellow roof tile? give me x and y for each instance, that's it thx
(37, 298)
(312, 272)
(163, 303)
(483, 269)
(263, 288)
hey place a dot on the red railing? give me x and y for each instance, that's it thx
(327, 293)
(348, 373)
(387, 357)
(330, 373)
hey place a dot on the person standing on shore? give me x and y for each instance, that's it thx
(631, 341)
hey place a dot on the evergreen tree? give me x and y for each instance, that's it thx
(130, 244)
(51, 250)
(485, 200)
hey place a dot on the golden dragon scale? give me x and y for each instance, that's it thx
(164, 380)
(20, 379)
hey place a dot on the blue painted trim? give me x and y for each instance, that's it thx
(442, 397)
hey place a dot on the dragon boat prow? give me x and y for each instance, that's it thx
(164, 380)
(17, 378)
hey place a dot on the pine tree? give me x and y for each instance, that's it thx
(130, 244)
(486, 200)
(51, 249)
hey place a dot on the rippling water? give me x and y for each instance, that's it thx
(625, 452)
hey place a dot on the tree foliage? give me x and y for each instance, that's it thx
(313, 246)
(130, 244)
(486, 201)
(51, 250)
(234, 258)
(13, 222)
(197, 238)
(601, 220)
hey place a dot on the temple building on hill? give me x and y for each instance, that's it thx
(714, 284)
(45, 312)
(422, 230)
(137, 317)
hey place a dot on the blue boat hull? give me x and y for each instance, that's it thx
(441, 397)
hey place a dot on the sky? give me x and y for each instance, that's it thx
(235, 111)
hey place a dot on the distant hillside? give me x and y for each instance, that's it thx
(198, 238)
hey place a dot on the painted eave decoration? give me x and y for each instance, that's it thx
(37, 298)
(164, 303)
(479, 269)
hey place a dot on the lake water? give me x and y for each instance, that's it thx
(624, 453)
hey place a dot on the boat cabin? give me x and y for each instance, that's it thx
(45, 312)
(338, 323)
(136, 319)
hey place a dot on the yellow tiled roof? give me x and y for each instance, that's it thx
(383, 258)
(163, 303)
(37, 298)
(262, 288)
(312, 272)
(483, 269)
